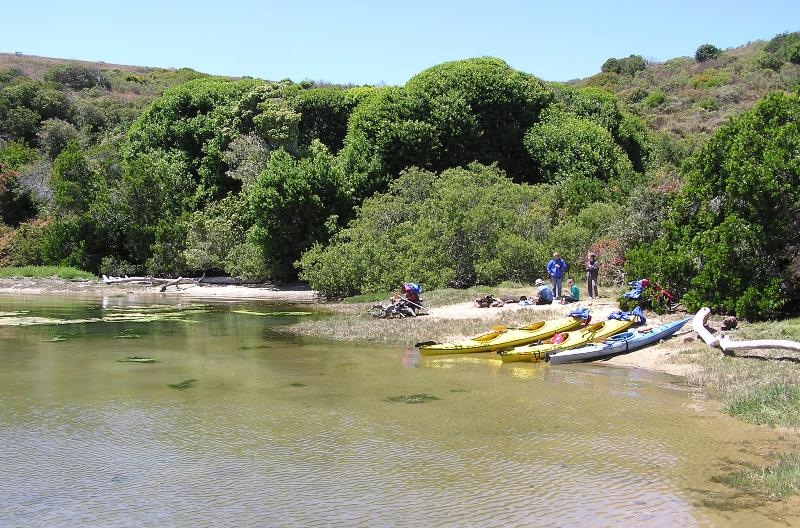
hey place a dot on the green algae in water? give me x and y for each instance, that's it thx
(412, 398)
(55, 339)
(185, 384)
(137, 359)
(133, 314)
(126, 336)
(297, 384)
(287, 314)
(459, 390)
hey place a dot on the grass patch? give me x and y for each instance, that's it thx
(45, 272)
(776, 404)
(775, 482)
(758, 386)
(367, 298)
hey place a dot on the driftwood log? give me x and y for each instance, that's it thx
(729, 345)
(699, 325)
(151, 280)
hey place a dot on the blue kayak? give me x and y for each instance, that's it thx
(618, 344)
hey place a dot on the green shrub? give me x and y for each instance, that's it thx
(296, 204)
(114, 266)
(709, 78)
(709, 104)
(440, 230)
(627, 66)
(655, 99)
(215, 231)
(563, 145)
(77, 76)
(446, 116)
(707, 52)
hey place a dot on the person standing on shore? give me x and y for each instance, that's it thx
(592, 271)
(556, 268)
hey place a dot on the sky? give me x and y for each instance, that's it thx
(373, 42)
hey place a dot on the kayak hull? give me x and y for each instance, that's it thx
(502, 338)
(592, 333)
(618, 344)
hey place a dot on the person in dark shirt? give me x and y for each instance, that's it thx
(592, 271)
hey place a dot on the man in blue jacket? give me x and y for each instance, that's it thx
(556, 268)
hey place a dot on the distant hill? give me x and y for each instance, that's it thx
(124, 81)
(691, 98)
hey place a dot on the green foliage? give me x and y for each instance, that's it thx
(21, 123)
(169, 248)
(45, 272)
(709, 78)
(76, 76)
(562, 145)
(446, 116)
(462, 227)
(655, 99)
(214, 232)
(295, 204)
(248, 261)
(707, 52)
(782, 48)
(17, 204)
(734, 232)
(54, 135)
(710, 105)
(196, 121)
(627, 66)
(72, 180)
(771, 405)
(324, 113)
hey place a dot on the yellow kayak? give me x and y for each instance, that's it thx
(592, 333)
(502, 337)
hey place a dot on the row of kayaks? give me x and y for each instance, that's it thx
(565, 340)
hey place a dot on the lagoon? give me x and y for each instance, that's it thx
(279, 430)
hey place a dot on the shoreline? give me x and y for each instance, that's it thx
(291, 293)
(462, 318)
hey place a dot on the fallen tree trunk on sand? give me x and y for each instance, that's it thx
(150, 280)
(699, 325)
(729, 345)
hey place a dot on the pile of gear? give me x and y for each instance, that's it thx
(406, 304)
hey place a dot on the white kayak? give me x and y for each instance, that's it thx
(618, 344)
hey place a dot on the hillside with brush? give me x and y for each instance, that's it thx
(690, 97)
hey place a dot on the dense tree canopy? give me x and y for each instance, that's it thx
(446, 116)
(735, 235)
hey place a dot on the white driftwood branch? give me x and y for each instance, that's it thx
(729, 344)
(149, 280)
(699, 325)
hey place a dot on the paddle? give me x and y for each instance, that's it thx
(425, 310)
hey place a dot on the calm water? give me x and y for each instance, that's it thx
(285, 431)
